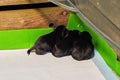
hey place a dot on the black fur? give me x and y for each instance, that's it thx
(83, 48)
(63, 46)
(46, 42)
(62, 42)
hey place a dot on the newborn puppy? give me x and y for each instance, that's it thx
(46, 42)
(63, 46)
(83, 48)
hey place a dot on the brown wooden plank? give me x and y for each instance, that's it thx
(33, 18)
(14, 2)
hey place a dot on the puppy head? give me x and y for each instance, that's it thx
(58, 52)
(82, 52)
(83, 48)
(63, 46)
(60, 29)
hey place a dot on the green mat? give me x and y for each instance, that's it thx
(21, 39)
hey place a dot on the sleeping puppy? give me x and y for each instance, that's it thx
(63, 46)
(83, 48)
(46, 42)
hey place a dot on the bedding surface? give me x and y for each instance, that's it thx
(17, 65)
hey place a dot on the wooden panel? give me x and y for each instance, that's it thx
(110, 8)
(31, 18)
(12, 2)
(99, 20)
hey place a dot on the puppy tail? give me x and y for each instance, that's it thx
(29, 50)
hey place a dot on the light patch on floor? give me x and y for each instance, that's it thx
(17, 65)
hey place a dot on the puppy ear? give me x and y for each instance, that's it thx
(52, 25)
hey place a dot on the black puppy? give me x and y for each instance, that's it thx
(63, 46)
(83, 48)
(46, 42)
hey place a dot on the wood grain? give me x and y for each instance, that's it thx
(31, 18)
